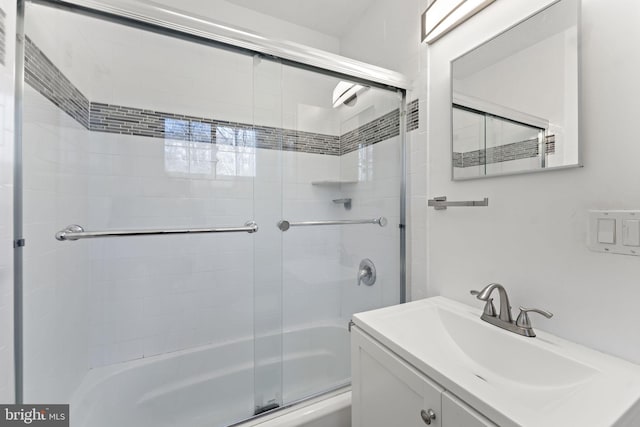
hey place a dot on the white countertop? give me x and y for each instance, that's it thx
(511, 379)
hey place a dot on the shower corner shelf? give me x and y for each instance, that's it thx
(330, 182)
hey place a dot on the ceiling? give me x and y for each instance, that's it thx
(331, 17)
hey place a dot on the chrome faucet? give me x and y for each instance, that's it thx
(522, 325)
(505, 307)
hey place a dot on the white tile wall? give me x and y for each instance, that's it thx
(115, 64)
(320, 264)
(55, 275)
(6, 204)
(157, 294)
(376, 194)
(141, 289)
(372, 41)
(370, 104)
(138, 297)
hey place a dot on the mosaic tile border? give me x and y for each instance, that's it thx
(3, 36)
(377, 130)
(46, 78)
(502, 153)
(135, 121)
(380, 129)
(413, 115)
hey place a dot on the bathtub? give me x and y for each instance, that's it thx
(213, 385)
(330, 410)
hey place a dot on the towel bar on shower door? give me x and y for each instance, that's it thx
(284, 225)
(76, 232)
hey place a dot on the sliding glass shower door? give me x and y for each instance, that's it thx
(161, 285)
(341, 204)
(267, 268)
(128, 130)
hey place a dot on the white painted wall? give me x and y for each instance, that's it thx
(6, 205)
(387, 35)
(532, 236)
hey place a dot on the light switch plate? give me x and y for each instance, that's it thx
(617, 237)
(631, 232)
(607, 230)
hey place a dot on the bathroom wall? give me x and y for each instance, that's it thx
(7, 55)
(56, 166)
(375, 37)
(256, 22)
(376, 171)
(532, 237)
(388, 35)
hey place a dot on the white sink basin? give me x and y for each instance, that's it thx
(512, 379)
(504, 358)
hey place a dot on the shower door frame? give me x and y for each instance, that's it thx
(291, 54)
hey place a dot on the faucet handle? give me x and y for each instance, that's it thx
(523, 318)
(489, 308)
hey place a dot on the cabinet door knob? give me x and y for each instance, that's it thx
(428, 416)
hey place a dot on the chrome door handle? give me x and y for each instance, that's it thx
(428, 416)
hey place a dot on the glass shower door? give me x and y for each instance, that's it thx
(343, 162)
(267, 269)
(126, 129)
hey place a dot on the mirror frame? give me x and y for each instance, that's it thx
(580, 163)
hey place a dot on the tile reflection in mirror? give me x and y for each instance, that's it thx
(515, 98)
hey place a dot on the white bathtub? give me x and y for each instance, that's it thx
(330, 410)
(213, 386)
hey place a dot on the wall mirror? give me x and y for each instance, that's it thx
(515, 98)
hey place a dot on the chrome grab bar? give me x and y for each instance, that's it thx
(76, 232)
(284, 225)
(441, 203)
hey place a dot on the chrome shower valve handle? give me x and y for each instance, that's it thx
(366, 272)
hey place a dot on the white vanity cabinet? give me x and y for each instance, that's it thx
(438, 355)
(388, 392)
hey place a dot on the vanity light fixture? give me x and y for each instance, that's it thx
(444, 15)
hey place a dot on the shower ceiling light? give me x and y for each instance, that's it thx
(444, 15)
(345, 92)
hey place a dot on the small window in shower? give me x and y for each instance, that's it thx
(236, 154)
(188, 150)
(365, 164)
